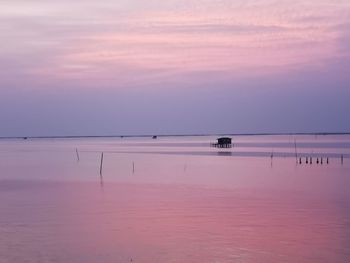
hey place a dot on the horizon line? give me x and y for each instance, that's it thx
(172, 135)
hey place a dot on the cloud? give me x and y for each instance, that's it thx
(56, 41)
(80, 67)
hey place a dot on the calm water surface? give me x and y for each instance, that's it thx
(175, 200)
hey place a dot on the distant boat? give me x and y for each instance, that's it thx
(154, 137)
(25, 138)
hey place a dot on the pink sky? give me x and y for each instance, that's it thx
(171, 44)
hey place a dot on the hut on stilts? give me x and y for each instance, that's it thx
(223, 142)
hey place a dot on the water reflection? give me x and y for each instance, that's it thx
(172, 206)
(75, 222)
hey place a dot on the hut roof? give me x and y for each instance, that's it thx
(224, 140)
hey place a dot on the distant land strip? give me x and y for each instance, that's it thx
(171, 135)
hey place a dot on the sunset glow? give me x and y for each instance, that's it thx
(137, 59)
(175, 131)
(160, 41)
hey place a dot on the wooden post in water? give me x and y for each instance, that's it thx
(321, 160)
(342, 159)
(307, 160)
(133, 167)
(76, 150)
(299, 160)
(296, 154)
(317, 161)
(310, 160)
(327, 160)
(271, 158)
(101, 164)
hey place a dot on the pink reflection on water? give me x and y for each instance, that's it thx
(174, 208)
(79, 222)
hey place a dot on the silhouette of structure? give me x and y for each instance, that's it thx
(223, 142)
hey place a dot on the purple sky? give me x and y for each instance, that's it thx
(165, 67)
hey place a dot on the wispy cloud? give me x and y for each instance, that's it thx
(82, 66)
(87, 41)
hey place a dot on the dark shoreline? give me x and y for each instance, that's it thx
(172, 135)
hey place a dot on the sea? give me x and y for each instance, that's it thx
(268, 199)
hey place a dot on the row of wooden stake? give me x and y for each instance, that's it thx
(101, 162)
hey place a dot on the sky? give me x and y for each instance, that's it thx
(132, 67)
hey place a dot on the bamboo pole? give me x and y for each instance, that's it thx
(78, 158)
(101, 164)
(296, 153)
